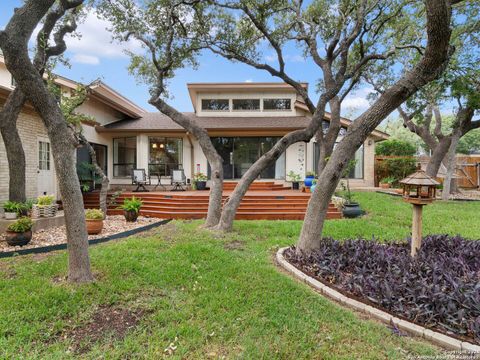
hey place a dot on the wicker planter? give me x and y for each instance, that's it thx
(44, 210)
(94, 227)
(18, 239)
(10, 215)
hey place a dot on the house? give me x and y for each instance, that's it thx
(244, 120)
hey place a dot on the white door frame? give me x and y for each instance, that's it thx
(46, 179)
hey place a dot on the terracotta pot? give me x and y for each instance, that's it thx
(385, 185)
(94, 227)
(130, 216)
(18, 239)
(399, 191)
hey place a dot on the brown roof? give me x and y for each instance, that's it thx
(158, 122)
(419, 178)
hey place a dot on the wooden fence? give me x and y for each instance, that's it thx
(468, 169)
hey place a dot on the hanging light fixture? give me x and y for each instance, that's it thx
(154, 145)
(162, 146)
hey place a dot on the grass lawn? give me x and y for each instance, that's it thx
(207, 296)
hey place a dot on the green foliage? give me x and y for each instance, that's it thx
(388, 180)
(94, 214)
(200, 177)
(293, 176)
(45, 200)
(394, 147)
(395, 168)
(133, 204)
(12, 206)
(310, 173)
(21, 225)
(470, 143)
(240, 298)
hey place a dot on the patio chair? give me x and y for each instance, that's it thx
(178, 180)
(140, 178)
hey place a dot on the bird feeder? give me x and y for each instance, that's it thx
(419, 189)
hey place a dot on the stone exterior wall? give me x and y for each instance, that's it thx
(30, 127)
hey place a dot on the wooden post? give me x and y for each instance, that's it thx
(416, 229)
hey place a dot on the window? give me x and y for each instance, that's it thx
(356, 172)
(13, 83)
(85, 170)
(215, 104)
(277, 104)
(43, 155)
(166, 154)
(246, 104)
(124, 156)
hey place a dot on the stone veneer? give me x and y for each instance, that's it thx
(29, 126)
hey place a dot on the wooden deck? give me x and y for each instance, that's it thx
(259, 203)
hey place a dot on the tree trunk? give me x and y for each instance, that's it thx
(13, 145)
(213, 158)
(14, 43)
(99, 171)
(231, 206)
(326, 142)
(451, 165)
(438, 155)
(429, 67)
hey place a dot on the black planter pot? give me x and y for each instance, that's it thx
(201, 185)
(18, 239)
(295, 185)
(352, 210)
(130, 216)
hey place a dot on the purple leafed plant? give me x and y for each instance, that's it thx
(440, 288)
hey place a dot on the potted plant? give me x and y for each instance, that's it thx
(387, 182)
(11, 209)
(200, 180)
(351, 209)
(25, 208)
(94, 219)
(131, 208)
(20, 232)
(309, 178)
(314, 185)
(295, 179)
(45, 207)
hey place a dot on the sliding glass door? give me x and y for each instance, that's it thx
(239, 153)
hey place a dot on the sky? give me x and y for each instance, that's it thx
(95, 56)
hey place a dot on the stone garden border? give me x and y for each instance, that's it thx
(45, 249)
(437, 338)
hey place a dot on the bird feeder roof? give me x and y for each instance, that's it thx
(419, 178)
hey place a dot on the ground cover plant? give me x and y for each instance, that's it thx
(439, 288)
(192, 294)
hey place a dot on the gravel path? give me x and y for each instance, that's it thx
(57, 235)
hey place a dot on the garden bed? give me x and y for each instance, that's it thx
(112, 225)
(440, 289)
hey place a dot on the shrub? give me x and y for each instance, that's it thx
(438, 288)
(21, 225)
(394, 147)
(45, 200)
(12, 206)
(133, 204)
(293, 176)
(397, 168)
(94, 214)
(200, 177)
(388, 180)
